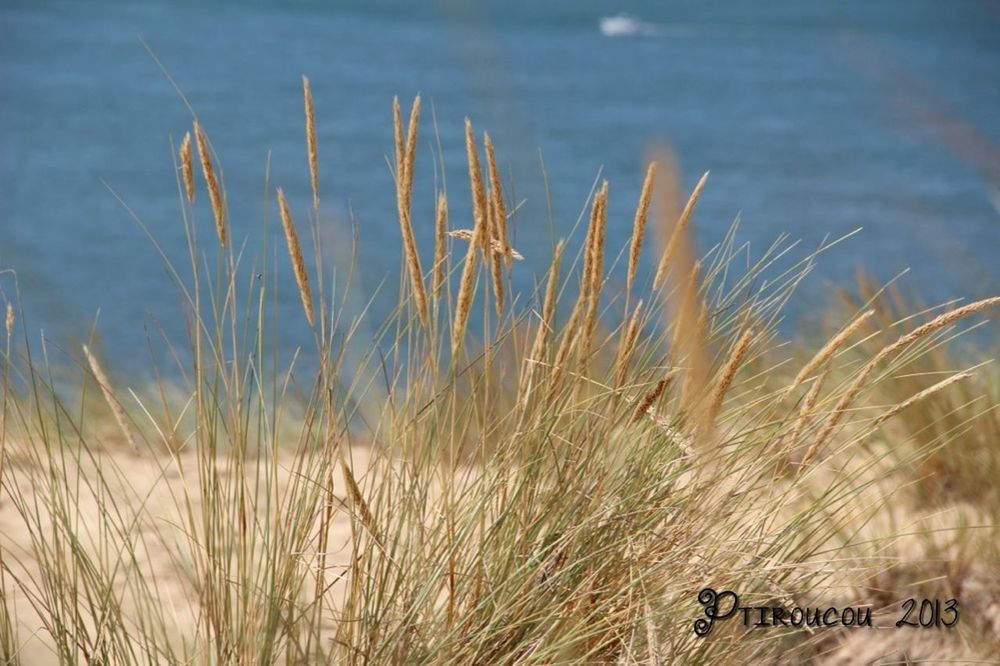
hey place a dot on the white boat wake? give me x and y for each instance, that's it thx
(626, 25)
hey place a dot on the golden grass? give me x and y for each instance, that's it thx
(312, 146)
(639, 226)
(295, 253)
(534, 497)
(212, 182)
(187, 166)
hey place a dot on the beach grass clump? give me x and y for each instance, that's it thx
(555, 487)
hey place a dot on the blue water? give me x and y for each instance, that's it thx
(814, 118)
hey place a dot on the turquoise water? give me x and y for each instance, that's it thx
(814, 118)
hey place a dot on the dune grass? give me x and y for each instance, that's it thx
(553, 487)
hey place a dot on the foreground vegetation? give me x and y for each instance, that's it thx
(555, 484)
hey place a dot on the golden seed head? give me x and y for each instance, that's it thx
(295, 252)
(311, 143)
(212, 181)
(187, 166)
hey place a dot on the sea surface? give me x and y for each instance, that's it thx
(814, 118)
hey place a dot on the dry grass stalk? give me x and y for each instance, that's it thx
(858, 384)
(440, 244)
(466, 286)
(593, 274)
(570, 334)
(212, 181)
(109, 397)
(398, 130)
(808, 403)
(187, 166)
(679, 231)
(358, 501)
(410, 154)
(495, 258)
(647, 402)
(639, 226)
(727, 376)
(495, 247)
(479, 205)
(539, 347)
(406, 161)
(500, 231)
(929, 391)
(295, 252)
(9, 321)
(829, 349)
(627, 346)
(311, 143)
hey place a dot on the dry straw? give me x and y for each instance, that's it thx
(829, 349)
(311, 143)
(187, 166)
(540, 346)
(295, 252)
(212, 181)
(639, 226)
(466, 235)
(109, 397)
(679, 231)
(495, 258)
(593, 271)
(727, 376)
(808, 403)
(500, 231)
(405, 166)
(10, 320)
(440, 243)
(647, 402)
(466, 286)
(930, 390)
(858, 384)
(627, 345)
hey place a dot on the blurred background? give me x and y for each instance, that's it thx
(815, 119)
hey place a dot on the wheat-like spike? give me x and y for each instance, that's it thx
(727, 376)
(187, 166)
(495, 259)
(440, 244)
(829, 349)
(212, 181)
(404, 199)
(627, 345)
(930, 390)
(295, 252)
(678, 232)
(643, 407)
(397, 126)
(855, 387)
(109, 397)
(358, 501)
(594, 268)
(808, 403)
(311, 143)
(466, 286)
(639, 226)
(466, 290)
(570, 334)
(500, 218)
(539, 347)
(10, 320)
(410, 154)
(479, 205)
